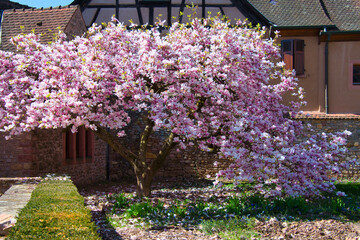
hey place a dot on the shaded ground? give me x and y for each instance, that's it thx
(5, 185)
(95, 199)
(318, 229)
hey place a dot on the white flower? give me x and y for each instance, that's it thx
(280, 64)
(341, 194)
(347, 133)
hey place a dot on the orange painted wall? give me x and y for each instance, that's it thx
(313, 79)
(343, 96)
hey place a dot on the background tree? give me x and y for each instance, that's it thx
(205, 84)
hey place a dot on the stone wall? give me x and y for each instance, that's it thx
(180, 164)
(50, 158)
(194, 163)
(336, 123)
(17, 156)
(41, 152)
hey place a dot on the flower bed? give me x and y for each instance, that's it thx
(203, 212)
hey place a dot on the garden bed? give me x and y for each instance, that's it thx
(216, 214)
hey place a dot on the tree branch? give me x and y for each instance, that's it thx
(106, 136)
(163, 153)
(145, 138)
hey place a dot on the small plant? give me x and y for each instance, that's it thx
(120, 201)
(234, 206)
(142, 209)
(177, 210)
(290, 206)
(231, 229)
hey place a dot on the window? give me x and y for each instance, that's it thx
(356, 74)
(292, 53)
(78, 147)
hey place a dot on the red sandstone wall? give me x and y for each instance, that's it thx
(181, 164)
(41, 152)
(50, 158)
(17, 156)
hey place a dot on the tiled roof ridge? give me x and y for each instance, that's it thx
(321, 115)
(39, 9)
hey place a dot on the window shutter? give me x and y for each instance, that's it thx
(89, 143)
(80, 143)
(287, 53)
(70, 145)
(78, 147)
(299, 57)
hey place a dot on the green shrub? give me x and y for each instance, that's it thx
(141, 209)
(350, 188)
(120, 201)
(55, 211)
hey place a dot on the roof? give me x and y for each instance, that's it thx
(290, 13)
(324, 116)
(344, 13)
(17, 21)
(340, 15)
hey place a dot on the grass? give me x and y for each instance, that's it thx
(55, 211)
(231, 229)
(233, 217)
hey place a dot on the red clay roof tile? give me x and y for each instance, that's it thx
(320, 115)
(45, 21)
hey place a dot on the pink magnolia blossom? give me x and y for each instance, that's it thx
(212, 86)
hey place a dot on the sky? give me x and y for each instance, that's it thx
(43, 3)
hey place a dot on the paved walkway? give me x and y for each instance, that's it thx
(11, 202)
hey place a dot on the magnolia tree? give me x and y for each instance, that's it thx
(205, 84)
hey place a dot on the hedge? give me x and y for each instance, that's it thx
(55, 211)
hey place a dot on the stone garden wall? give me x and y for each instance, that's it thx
(180, 164)
(194, 163)
(50, 158)
(17, 156)
(335, 123)
(41, 152)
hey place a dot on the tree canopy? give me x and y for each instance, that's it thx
(208, 84)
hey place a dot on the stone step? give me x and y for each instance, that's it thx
(6, 222)
(11, 202)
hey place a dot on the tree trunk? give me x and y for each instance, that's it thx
(144, 171)
(143, 184)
